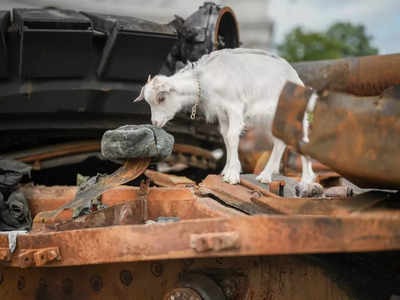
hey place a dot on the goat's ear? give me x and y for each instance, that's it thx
(140, 97)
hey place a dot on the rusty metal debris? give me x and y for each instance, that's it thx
(129, 212)
(163, 179)
(131, 169)
(356, 137)
(362, 76)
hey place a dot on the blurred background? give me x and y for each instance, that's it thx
(296, 29)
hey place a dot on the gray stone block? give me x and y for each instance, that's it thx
(136, 141)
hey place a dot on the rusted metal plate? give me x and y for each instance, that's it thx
(166, 180)
(239, 278)
(342, 206)
(356, 137)
(259, 235)
(362, 76)
(233, 195)
(178, 202)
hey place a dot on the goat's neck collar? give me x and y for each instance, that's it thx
(194, 107)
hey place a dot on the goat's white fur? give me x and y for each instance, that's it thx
(239, 87)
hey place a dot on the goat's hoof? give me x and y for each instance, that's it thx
(232, 178)
(223, 172)
(305, 190)
(264, 179)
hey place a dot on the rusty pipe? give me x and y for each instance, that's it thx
(358, 137)
(362, 76)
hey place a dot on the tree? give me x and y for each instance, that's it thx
(340, 40)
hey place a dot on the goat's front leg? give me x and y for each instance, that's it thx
(232, 168)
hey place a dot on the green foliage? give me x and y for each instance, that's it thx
(340, 40)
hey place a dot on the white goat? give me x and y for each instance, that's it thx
(238, 87)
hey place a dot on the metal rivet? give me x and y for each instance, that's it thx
(219, 260)
(156, 269)
(230, 287)
(96, 282)
(188, 262)
(21, 283)
(42, 282)
(126, 277)
(67, 286)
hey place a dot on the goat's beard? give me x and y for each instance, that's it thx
(160, 122)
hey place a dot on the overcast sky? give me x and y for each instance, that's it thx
(381, 18)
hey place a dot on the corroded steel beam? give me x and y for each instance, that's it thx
(358, 137)
(257, 235)
(362, 76)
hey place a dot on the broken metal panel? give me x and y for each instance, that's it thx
(356, 137)
(53, 43)
(362, 76)
(145, 43)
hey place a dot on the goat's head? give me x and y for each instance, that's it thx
(163, 98)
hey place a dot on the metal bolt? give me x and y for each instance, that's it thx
(21, 283)
(230, 288)
(42, 286)
(188, 262)
(219, 260)
(96, 282)
(42, 282)
(156, 269)
(182, 294)
(67, 286)
(126, 277)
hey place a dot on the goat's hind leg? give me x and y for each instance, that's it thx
(274, 162)
(223, 129)
(307, 186)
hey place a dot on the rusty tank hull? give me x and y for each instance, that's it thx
(189, 244)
